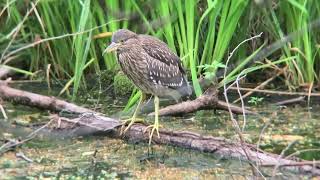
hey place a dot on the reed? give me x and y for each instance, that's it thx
(200, 32)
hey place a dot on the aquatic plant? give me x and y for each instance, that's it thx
(60, 37)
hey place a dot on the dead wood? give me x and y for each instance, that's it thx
(291, 101)
(201, 103)
(315, 94)
(89, 123)
(36, 100)
(206, 101)
(4, 72)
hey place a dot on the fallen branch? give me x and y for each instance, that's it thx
(90, 123)
(43, 102)
(206, 101)
(291, 101)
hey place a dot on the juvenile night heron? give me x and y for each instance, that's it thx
(152, 67)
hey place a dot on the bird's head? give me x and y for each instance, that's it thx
(119, 39)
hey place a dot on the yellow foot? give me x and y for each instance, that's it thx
(154, 127)
(129, 122)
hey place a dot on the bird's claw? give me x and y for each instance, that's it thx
(126, 125)
(154, 128)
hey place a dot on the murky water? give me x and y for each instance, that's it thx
(97, 157)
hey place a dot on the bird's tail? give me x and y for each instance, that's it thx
(185, 89)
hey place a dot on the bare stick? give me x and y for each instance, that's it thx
(225, 72)
(3, 112)
(291, 101)
(24, 157)
(301, 151)
(293, 164)
(208, 100)
(276, 92)
(280, 156)
(11, 144)
(242, 103)
(48, 76)
(234, 122)
(258, 87)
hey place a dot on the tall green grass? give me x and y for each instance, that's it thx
(198, 38)
(297, 16)
(200, 32)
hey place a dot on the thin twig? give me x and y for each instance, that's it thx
(24, 157)
(277, 92)
(3, 112)
(293, 164)
(242, 102)
(234, 122)
(280, 156)
(230, 86)
(291, 101)
(261, 133)
(260, 137)
(300, 151)
(7, 146)
(48, 76)
(259, 86)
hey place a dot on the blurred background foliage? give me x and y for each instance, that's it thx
(201, 32)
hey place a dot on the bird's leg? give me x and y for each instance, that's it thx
(155, 126)
(134, 118)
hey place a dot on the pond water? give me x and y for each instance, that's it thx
(98, 157)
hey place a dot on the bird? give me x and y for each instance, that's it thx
(152, 67)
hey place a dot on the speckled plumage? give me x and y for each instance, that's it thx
(151, 65)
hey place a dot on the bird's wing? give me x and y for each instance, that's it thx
(160, 51)
(164, 66)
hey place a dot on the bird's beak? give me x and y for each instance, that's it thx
(112, 47)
